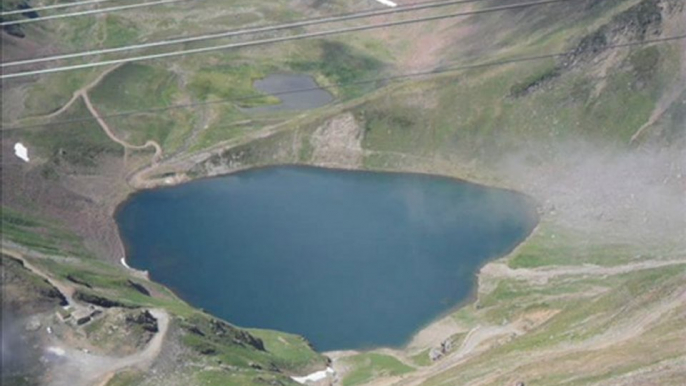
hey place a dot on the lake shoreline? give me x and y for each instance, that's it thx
(434, 321)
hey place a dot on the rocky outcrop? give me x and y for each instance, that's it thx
(25, 292)
(99, 300)
(243, 338)
(16, 30)
(144, 319)
(217, 333)
(637, 23)
(78, 281)
(337, 143)
(267, 149)
(138, 287)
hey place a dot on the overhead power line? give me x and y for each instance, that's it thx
(246, 31)
(54, 6)
(89, 12)
(261, 42)
(438, 71)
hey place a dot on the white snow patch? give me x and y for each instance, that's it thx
(123, 262)
(388, 3)
(56, 350)
(314, 377)
(21, 151)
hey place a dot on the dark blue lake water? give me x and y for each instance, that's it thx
(348, 259)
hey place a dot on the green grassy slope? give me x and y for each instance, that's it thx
(370, 365)
(205, 338)
(574, 296)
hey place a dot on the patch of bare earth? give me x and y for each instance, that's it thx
(673, 27)
(337, 143)
(435, 333)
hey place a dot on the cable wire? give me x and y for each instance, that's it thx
(253, 30)
(54, 6)
(356, 83)
(89, 12)
(274, 40)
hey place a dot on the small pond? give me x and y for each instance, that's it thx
(281, 85)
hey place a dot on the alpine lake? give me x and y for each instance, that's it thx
(348, 259)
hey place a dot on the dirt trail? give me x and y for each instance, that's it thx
(78, 368)
(634, 327)
(656, 374)
(481, 338)
(542, 275)
(66, 290)
(73, 367)
(615, 336)
(473, 344)
(83, 93)
(79, 92)
(141, 178)
(110, 134)
(478, 339)
(663, 105)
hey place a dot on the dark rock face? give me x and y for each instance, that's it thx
(207, 350)
(24, 292)
(78, 281)
(99, 300)
(145, 320)
(54, 293)
(530, 85)
(217, 333)
(15, 29)
(640, 19)
(640, 22)
(634, 24)
(240, 337)
(138, 287)
(29, 12)
(195, 330)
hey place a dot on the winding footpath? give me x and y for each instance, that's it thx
(543, 275)
(482, 337)
(105, 127)
(86, 369)
(81, 368)
(83, 93)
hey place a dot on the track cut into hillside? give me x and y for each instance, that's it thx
(597, 291)
(79, 367)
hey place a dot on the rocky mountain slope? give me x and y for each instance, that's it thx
(595, 134)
